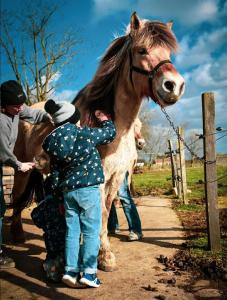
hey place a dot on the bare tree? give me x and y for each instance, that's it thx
(40, 54)
(156, 137)
(195, 144)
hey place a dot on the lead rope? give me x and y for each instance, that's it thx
(182, 140)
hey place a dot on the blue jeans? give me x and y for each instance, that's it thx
(129, 208)
(83, 216)
(2, 205)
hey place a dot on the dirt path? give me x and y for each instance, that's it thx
(138, 269)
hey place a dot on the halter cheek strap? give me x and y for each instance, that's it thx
(153, 72)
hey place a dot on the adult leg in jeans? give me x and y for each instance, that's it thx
(113, 224)
(129, 207)
(5, 261)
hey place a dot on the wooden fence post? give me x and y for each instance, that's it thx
(210, 174)
(179, 186)
(173, 168)
(182, 166)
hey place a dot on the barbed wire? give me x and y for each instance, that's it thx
(179, 136)
(218, 130)
(221, 177)
(221, 137)
(175, 129)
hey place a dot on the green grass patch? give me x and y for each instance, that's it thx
(150, 182)
(199, 248)
(158, 182)
(189, 207)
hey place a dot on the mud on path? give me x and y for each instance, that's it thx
(139, 275)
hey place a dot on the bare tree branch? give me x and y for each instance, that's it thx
(45, 53)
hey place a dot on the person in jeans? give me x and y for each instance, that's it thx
(131, 213)
(13, 109)
(72, 150)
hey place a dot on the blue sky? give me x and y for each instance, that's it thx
(201, 30)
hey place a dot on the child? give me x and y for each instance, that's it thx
(73, 152)
(48, 216)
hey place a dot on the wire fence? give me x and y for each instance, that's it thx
(200, 137)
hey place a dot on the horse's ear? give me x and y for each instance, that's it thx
(135, 22)
(169, 24)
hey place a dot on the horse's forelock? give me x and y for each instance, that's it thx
(154, 33)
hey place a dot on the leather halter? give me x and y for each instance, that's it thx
(150, 74)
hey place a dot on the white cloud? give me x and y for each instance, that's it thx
(187, 12)
(65, 95)
(103, 8)
(207, 77)
(201, 51)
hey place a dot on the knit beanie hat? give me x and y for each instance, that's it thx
(12, 93)
(62, 111)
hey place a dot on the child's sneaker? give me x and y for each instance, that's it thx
(134, 236)
(90, 280)
(71, 279)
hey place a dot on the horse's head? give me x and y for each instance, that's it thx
(135, 65)
(151, 72)
(139, 139)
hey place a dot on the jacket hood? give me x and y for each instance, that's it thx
(58, 144)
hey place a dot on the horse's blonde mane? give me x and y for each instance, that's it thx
(100, 92)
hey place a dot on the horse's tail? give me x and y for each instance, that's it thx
(33, 188)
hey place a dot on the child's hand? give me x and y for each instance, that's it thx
(101, 116)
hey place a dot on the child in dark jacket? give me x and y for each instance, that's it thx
(77, 165)
(48, 216)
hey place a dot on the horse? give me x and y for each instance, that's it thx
(135, 65)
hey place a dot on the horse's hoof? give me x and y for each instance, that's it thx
(106, 268)
(107, 262)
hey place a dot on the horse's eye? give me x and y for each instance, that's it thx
(142, 51)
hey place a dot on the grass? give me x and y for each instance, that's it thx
(152, 181)
(189, 207)
(199, 249)
(159, 182)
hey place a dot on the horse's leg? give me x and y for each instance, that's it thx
(106, 259)
(16, 228)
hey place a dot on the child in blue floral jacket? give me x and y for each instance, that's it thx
(77, 165)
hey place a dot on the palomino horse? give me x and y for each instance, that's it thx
(135, 66)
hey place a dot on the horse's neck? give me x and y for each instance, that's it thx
(126, 108)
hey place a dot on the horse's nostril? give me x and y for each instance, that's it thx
(169, 85)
